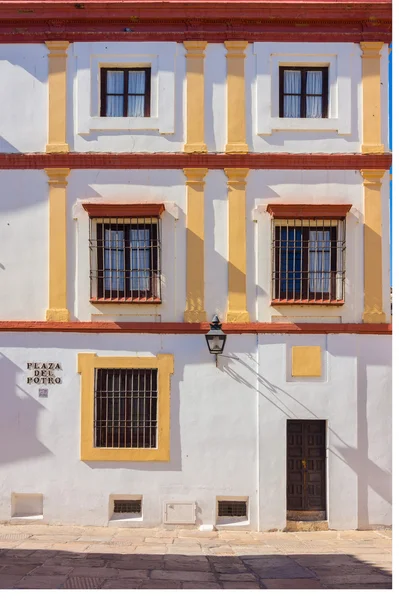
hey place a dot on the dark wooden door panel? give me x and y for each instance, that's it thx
(306, 464)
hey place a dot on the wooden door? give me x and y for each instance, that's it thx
(306, 465)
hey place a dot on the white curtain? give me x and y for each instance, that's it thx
(114, 260)
(314, 85)
(319, 261)
(140, 259)
(136, 86)
(292, 85)
(114, 86)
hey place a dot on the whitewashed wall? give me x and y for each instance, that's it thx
(228, 428)
(23, 97)
(24, 205)
(24, 225)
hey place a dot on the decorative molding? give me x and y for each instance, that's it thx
(196, 328)
(57, 96)
(57, 309)
(195, 258)
(182, 160)
(195, 121)
(237, 242)
(236, 113)
(97, 209)
(308, 210)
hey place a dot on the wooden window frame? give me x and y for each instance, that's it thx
(303, 95)
(155, 249)
(87, 363)
(125, 70)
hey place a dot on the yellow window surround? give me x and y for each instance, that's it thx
(87, 363)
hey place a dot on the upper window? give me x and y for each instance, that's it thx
(125, 259)
(308, 260)
(125, 92)
(304, 92)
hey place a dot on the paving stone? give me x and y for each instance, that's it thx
(133, 574)
(322, 572)
(290, 572)
(159, 549)
(370, 586)
(230, 568)
(93, 539)
(40, 583)
(45, 571)
(184, 550)
(268, 562)
(200, 585)
(83, 583)
(188, 542)
(184, 564)
(237, 577)
(236, 585)
(101, 572)
(122, 584)
(13, 537)
(355, 579)
(291, 584)
(59, 539)
(221, 550)
(8, 581)
(18, 569)
(182, 575)
(157, 585)
(135, 563)
(197, 534)
(156, 540)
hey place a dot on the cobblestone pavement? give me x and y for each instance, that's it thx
(60, 557)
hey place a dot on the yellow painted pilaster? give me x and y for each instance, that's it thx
(57, 96)
(57, 310)
(195, 96)
(195, 286)
(371, 83)
(373, 311)
(236, 115)
(237, 273)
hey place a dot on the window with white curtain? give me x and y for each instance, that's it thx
(125, 92)
(304, 92)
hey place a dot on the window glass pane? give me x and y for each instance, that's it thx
(290, 270)
(135, 106)
(319, 261)
(292, 106)
(140, 244)
(114, 106)
(115, 82)
(314, 107)
(136, 82)
(113, 260)
(292, 82)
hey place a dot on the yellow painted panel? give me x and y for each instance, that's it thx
(306, 361)
(195, 96)
(371, 84)
(236, 114)
(87, 363)
(57, 90)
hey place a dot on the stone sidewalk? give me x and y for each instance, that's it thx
(59, 557)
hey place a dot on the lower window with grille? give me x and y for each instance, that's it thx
(125, 408)
(125, 259)
(308, 260)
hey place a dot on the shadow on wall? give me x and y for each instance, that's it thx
(369, 474)
(19, 417)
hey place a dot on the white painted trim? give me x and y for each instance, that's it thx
(335, 56)
(160, 57)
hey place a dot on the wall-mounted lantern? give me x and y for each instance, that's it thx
(215, 338)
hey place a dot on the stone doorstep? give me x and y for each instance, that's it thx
(297, 526)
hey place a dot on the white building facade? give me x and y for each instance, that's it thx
(151, 178)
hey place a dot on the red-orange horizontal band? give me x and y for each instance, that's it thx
(185, 160)
(195, 328)
(311, 211)
(97, 209)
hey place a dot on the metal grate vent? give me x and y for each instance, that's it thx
(127, 506)
(232, 508)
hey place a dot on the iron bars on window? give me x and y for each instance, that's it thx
(125, 408)
(308, 260)
(125, 259)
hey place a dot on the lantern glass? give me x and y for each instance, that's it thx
(216, 341)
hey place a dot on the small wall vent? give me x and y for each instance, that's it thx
(232, 508)
(127, 507)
